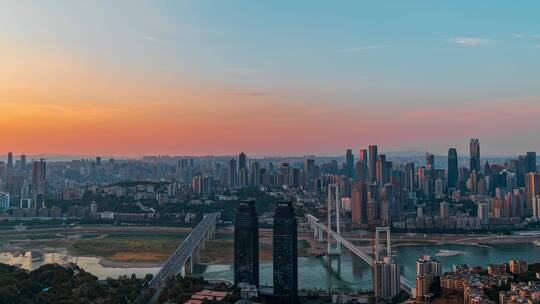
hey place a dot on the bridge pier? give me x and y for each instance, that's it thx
(196, 254)
(188, 267)
(329, 264)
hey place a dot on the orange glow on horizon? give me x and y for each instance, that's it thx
(59, 104)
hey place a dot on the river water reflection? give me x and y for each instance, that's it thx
(347, 271)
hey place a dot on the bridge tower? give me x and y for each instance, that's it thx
(333, 198)
(378, 230)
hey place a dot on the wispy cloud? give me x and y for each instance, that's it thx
(248, 93)
(526, 36)
(363, 48)
(152, 38)
(470, 41)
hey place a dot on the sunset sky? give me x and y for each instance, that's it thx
(268, 77)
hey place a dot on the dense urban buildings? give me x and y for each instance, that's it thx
(414, 193)
(424, 193)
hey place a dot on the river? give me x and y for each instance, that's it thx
(346, 272)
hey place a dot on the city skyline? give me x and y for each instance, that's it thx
(268, 79)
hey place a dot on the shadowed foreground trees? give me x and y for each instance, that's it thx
(57, 284)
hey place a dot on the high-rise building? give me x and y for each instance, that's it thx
(364, 159)
(284, 174)
(233, 177)
(242, 161)
(10, 161)
(382, 169)
(483, 213)
(531, 162)
(372, 168)
(430, 161)
(423, 285)
(39, 176)
(246, 244)
(521, 170)
(444, 209)
(532, 189)
(475, 155)
(310, 175)
(243, 177)
(360, 170)
(23, 162)
(202, 184)
(359, 201)
(429, 174)
(428, 265)
(410, 179)
(254, 174)
(452, 173)
(284, 252)
(93, 208)
(4, 202)
(386, 278)
(349, 157)
(536, 208)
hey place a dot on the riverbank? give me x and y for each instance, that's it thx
(143, 246)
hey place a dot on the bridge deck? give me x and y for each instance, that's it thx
(405, 283)
(178, 258)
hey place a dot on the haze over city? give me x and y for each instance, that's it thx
(308, 77)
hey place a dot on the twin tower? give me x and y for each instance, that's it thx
(284, 250)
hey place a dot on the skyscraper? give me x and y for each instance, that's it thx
(364, 165)
(372, 168)
(38, 176)
(531, 162)
(254, 174)
(242, 161)
(23, 162)
(452, 173)
(536, 208)
(243, 170)
(359, 203)
(246, 244)
(350, 163)
(382, 170)
(386, 278)
(475, 155)
(360, 172)
(243, 177)
(309, 171)
(233, 175)
(285, 254)
(532, 189)
(410, 178)
(10, 161)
